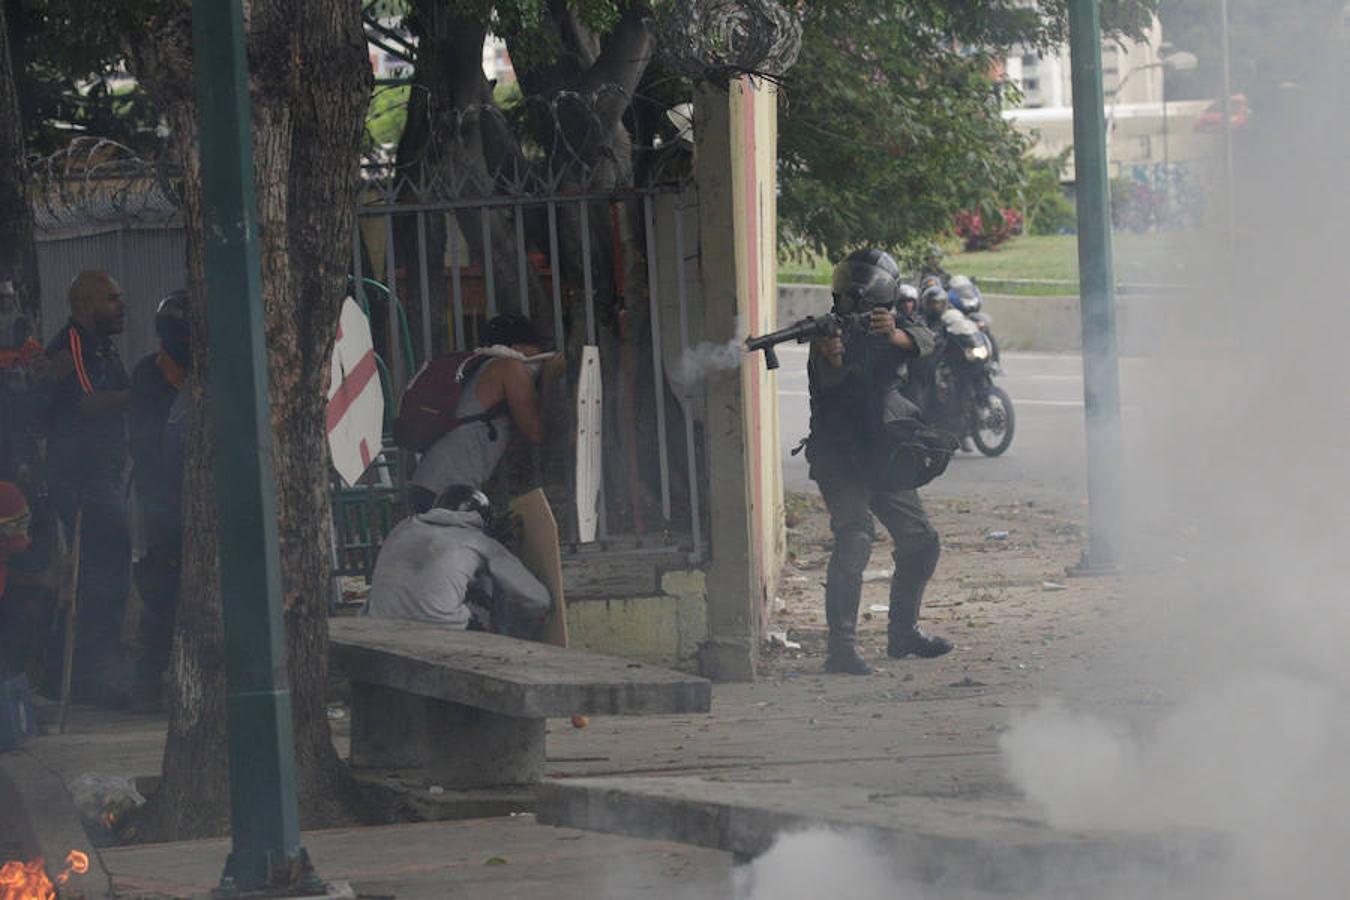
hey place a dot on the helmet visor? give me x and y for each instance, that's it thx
(859, 285)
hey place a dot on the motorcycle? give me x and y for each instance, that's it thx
(963, 294)
(979, 409)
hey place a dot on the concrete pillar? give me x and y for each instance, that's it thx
(734, 167)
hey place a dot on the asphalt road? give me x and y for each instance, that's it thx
(1045, 461)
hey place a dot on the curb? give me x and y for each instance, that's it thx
(40, 813)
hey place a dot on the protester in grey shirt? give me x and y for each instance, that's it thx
(439, 567)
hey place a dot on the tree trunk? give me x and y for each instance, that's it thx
(18, 250)
(332, 80)
(310, 83)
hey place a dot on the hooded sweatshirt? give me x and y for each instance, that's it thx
(428, 562)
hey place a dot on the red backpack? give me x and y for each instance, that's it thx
(426, 412)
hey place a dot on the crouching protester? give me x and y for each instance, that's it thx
(440, 567)
(868, 450)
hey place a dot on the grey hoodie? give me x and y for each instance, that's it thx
(428, 562)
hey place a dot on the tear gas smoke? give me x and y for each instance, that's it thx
(1225, 703)
(1235, 619)
(700, 361)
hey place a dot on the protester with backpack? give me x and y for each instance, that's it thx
(459, 411)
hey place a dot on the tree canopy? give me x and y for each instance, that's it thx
(891, 120)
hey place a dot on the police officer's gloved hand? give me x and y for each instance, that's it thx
(881, 323)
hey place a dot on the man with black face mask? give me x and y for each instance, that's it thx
(155, 385)
(856, 381)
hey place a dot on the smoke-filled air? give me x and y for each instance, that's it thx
(1219, 717)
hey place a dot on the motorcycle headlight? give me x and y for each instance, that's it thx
(979, 352)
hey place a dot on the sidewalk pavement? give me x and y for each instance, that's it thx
(486, 859)
(915, 727)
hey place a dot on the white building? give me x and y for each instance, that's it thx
(1130, 73)
(1142, 131)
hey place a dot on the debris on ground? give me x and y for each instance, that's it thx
(102, 802)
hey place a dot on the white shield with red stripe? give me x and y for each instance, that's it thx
(355, 398)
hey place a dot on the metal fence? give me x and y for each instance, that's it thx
(414, 243)
(99, 206)
(440, 250)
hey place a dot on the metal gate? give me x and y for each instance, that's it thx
(428, 261)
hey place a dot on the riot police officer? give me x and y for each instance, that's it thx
(856, 379)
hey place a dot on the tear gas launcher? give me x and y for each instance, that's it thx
(809, 329)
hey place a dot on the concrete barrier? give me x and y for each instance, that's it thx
(1044, 324)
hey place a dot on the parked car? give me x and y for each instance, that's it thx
(1212, 118)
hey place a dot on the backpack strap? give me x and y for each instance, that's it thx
(467, 370)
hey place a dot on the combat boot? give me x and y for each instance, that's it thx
(913, 642)
(843, 659)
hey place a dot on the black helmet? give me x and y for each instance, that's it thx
(929, 281)
(509, 329)
(865, 279)
(466, 498)
(964, 294)
(171, 324)
(934, 297)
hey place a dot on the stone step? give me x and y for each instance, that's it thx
(963, 845)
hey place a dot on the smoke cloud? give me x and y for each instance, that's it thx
(1223, 709)
(700, 361)
(1235, 617)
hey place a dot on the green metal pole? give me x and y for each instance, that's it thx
(263, 811)
(1101, 375)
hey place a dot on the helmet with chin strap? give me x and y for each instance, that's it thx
(865, 280)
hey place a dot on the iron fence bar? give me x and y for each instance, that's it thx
(695, 526)
(587, 282)
(559, 339)
(359, 294)
(378, 207)
(424, 285)
(456, 289)
(658, 375)
(391, 289)
(489, 278)
(519, 215)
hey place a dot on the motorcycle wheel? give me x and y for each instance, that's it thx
(992, 428)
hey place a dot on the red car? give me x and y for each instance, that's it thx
(1212, 118)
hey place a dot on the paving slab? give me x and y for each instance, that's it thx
(508, 676)
(485, 859)
(999, 849)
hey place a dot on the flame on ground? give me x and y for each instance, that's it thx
(29, 881)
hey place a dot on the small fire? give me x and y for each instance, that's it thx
(29, 881)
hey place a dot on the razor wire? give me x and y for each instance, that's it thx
(557, 144)
(714, 40)
(95, 181)
(539, 146)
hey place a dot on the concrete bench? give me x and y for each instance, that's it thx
(469, 708)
